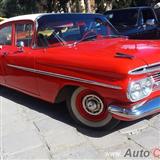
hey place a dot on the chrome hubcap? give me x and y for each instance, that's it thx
(92, 104)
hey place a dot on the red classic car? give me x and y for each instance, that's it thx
(80, 58)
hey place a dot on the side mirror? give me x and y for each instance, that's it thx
(150, 22)
(20, 46)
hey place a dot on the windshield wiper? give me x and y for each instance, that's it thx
(115, 36)
(84, 39)
(112, 36)
(94, 36)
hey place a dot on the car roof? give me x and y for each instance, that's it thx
(141, 7)
(31, 17)
(34, 17)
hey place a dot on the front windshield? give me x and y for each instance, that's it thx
(123, 17)
(53, 31)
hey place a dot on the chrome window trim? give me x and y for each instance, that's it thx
(76, 79)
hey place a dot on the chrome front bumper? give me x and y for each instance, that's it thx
(136, 112)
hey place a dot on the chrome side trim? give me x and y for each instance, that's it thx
(145, 69)
(76, 79)
(136, 112)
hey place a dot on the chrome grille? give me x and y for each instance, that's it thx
(146, 69)
(156, 78)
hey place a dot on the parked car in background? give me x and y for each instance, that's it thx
(136, 22)
(80, 58)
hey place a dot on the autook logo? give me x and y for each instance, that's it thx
(130, 153)
(156, 152)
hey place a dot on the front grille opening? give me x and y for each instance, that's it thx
(146, 69)
(156, 77)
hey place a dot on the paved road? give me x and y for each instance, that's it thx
(33, 129)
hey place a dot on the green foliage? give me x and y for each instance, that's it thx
(122, 3)
(9, 8)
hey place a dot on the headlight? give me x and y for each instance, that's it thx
(140, 89)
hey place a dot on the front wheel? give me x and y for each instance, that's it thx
(88, 108)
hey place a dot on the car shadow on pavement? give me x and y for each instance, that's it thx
(58, 112)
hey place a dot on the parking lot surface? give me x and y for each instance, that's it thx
(34, 129)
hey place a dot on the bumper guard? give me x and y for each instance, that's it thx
(143, 110)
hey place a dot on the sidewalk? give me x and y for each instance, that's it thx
(33, 129)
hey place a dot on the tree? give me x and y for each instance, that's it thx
(122, 3)
(103, 5)
(88, 6)
(9, 8)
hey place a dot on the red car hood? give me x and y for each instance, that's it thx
(148, 51)
(101, 56)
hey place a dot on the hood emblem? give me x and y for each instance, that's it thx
(124, 55)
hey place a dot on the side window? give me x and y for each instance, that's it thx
(24, 32)
(6, 35)
(147, 14)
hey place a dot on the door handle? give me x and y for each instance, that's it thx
(5, 54)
